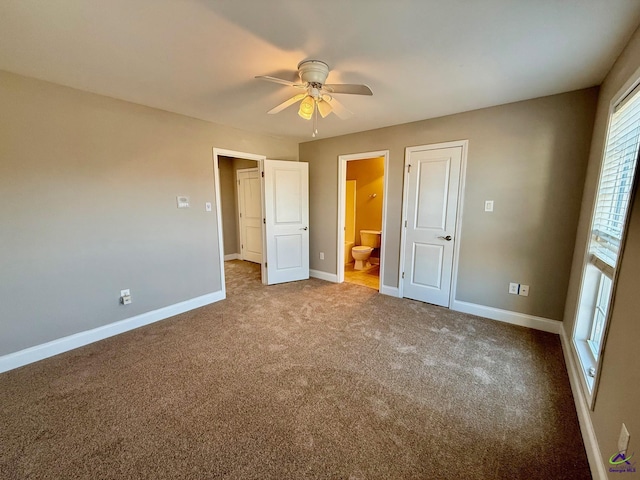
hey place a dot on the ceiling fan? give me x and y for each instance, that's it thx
(316, 96)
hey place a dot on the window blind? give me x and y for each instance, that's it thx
(616, 179)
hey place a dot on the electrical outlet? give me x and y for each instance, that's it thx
(321, 255)
(524, 290)
(514, 288)
(623, 441)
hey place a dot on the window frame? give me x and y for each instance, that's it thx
(591, 365)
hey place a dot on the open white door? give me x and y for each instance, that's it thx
(432, 178)
(286, 206)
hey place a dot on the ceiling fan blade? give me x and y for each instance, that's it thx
(280, 81)
(324, 107)
(287, 103)
(339, 109)
(348, 88)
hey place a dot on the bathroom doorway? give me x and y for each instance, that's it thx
(361, 218)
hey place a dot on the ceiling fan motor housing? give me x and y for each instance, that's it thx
(313, 71)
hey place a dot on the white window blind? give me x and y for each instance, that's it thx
(616, 180)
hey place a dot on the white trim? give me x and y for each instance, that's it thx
(342, 178)
(216, 181)
(391, 291)
(594, 455)
(464, 144)
(64, 344)
(329, 277)
(507, 316)
(232, 256)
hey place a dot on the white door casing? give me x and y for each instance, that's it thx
(286, 206)
(432, 179)
(250, 212)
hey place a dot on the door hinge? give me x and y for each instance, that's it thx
(240, 215)
(405, 224)
(403, 275)
(262, 174)
(266, 264)
(241, 247)
(264, 220)
(409, 168)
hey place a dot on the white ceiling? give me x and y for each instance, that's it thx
(421, 58)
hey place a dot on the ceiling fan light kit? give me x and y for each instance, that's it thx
(317, 97)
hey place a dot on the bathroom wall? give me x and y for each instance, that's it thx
(369, 176)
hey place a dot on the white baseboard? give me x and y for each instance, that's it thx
(232, 256)
(391, 291)
(329, 277)
(64, 344)
(598, 469)
(522, 319)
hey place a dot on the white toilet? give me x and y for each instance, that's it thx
(370, 239)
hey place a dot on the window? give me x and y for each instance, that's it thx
(599, 316)
(607, 233)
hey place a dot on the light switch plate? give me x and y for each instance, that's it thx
(207, 206)
(488, 205)
(513, 288)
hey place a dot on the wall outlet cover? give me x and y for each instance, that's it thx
(524, 290)
(514, 288)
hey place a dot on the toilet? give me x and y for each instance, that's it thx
(370, 239)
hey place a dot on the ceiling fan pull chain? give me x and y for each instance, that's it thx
(315, 119)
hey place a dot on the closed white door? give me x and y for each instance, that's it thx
(250, 212)
(432, 179)
(286, 201)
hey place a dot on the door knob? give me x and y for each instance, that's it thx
(447, 238)
(304, 228)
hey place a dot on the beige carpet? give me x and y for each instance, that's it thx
(303, 380)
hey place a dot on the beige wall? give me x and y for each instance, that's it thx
(618, 395)
(88, 189)
(369, 176)
(529, 157)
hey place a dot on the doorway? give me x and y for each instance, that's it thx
(284, 215)
(249, 216)
(362, 207)
(225, 164)
(433, 186)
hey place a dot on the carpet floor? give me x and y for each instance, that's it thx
(302, 380)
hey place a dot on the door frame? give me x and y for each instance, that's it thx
(405, 192)
(342, 187)
(221, 152)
